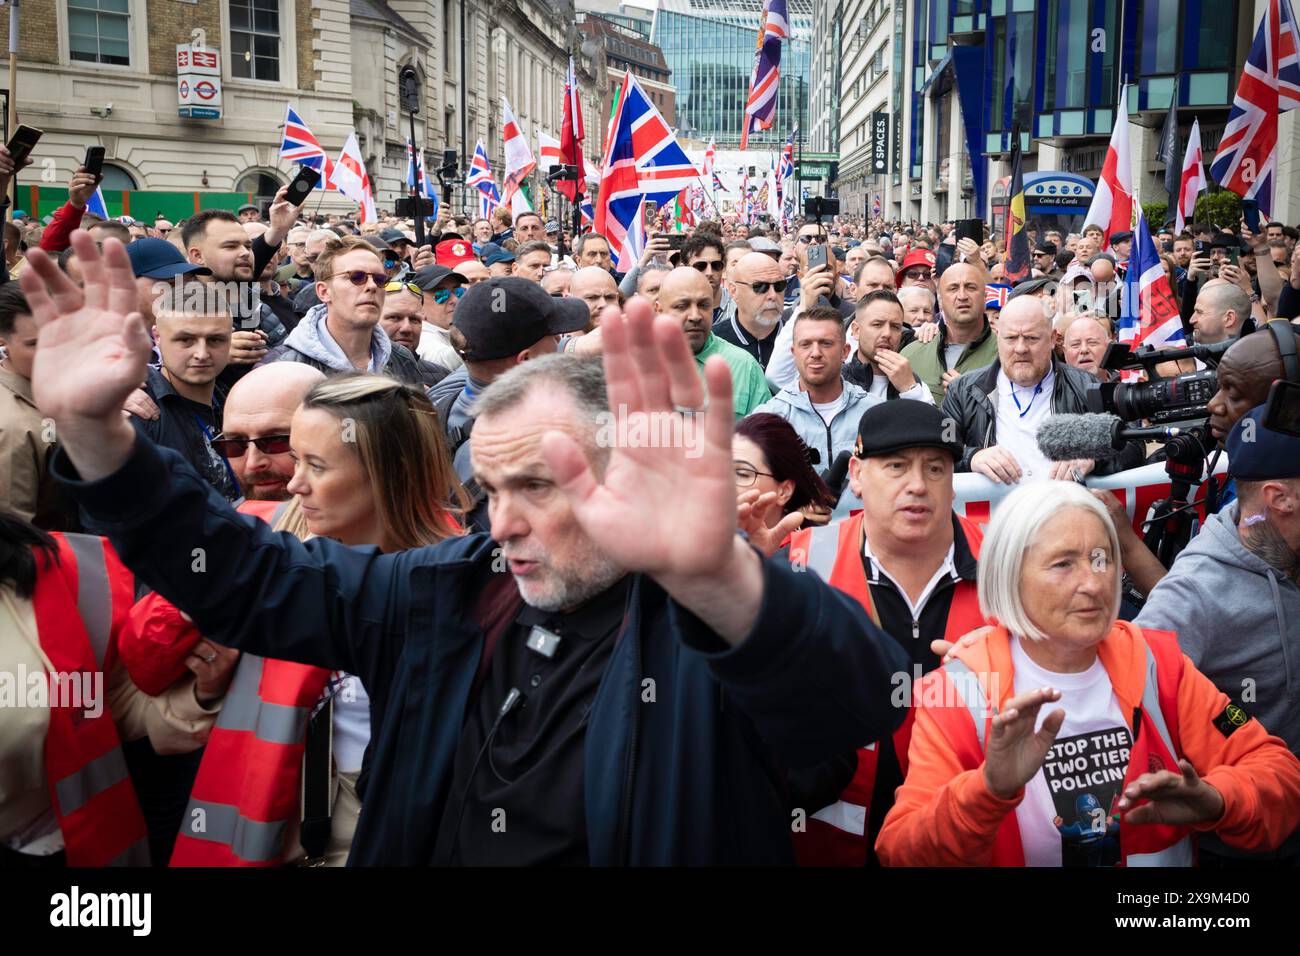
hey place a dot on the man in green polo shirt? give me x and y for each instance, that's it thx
(965, 340)
(687, 296)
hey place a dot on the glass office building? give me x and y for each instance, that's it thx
(1054, 67)
(709, 47)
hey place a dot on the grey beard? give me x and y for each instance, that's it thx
(1265, 542)
(599, 574)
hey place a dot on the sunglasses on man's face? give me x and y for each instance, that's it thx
(442, 295)
(359, 277)
(702, 265)
(813, 240)
(238, 447)
(760, 288)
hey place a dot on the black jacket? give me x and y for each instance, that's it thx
(686, 735)
(971, 401)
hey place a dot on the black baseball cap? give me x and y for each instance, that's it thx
(889, 427)
(503, 316)
(394, 235)
(1046, 248)
(429, 277)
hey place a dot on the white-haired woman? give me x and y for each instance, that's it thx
(1139, 751)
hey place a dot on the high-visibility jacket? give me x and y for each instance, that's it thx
(245, 796)
(160, 637)
(81, 605)
(837, 835)
(944, 814)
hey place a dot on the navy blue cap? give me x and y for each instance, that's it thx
(1256, 453)
(492, 253)
(159, 259)
(1120, 237)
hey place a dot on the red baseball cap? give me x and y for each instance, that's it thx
(452, 252)
(917, 257)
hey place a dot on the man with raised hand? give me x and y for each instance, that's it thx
(617, 557)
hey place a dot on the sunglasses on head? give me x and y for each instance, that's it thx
(359, 277)
(761, 288)
(701, 266)
(442, 295)
(238, 447)
(410, 287)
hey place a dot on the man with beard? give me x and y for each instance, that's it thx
(758, 286)
(215, 238)
(1233, 597)
(687, 296)
(255, 436)
(875, 364)
(617, 553)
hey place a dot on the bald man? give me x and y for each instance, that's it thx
(757, 284)
(596, 287)
(1222, 312)
(997, 408)
(473, 271)
(687, 296)
(1246, 373)
(259, 409)
(1084, 340)
(965, 340)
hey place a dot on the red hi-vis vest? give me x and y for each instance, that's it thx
(246, 793)
(837, 835)
(81, 604)
(1155, 747)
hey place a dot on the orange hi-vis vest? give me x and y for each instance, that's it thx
(1154, 728)
(81, 604)
(837, 835)
(246, 793)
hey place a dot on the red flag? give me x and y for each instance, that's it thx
(571, 134)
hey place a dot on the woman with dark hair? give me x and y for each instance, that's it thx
(65, 794)
(770, 457)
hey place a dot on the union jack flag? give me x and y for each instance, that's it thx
(1148, 314)
(717, 184)
(480, 177)
(760, 108)
(415, 175)
(300, 145)
(643, 161)
(1270, 85)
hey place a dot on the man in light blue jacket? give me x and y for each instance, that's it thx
(823, 408)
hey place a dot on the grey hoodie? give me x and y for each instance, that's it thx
(1238, 619)
(312, 339)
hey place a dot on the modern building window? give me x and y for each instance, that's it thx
(255, 39)
(1160, 36)
(98, 31)
(1209, 34)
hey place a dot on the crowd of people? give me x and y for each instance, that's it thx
(334, 515)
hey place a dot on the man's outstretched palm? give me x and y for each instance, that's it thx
(92, 347)
(657, 510)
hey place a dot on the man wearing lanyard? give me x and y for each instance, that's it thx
(193, 339)
(999, 407)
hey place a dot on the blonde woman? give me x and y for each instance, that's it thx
(371, 470)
